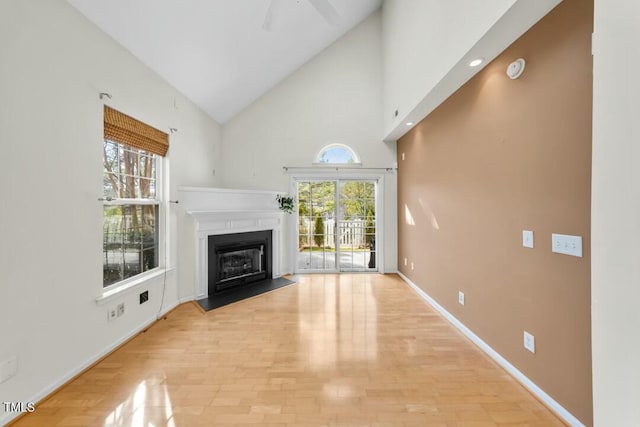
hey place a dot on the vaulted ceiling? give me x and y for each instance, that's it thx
(224, 54)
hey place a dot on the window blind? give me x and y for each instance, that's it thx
(124, 129)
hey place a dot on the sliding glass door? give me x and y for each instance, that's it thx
(336, 225)
(316, 231)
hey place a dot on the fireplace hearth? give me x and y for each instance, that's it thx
(238, 260)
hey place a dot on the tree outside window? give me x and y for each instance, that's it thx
(130, 224)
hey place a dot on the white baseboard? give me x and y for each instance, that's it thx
(8, 417)
(186, 299)
(526, 382)
(169, 308)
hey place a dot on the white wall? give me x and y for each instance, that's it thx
(335, 97)
(54, 64)
(616, 214)
(423, 40)
(428, 44)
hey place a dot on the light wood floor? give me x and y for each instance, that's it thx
(332, 350)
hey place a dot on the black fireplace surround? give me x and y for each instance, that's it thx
(238, 260)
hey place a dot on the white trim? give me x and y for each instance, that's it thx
(125, 286)
(194, 199)
(330, 175)
(226, 190)
(526, 382)
(8, 417)
(188, 298)
(161, 201)
(168, 309)
(325, 169)
(122, 202)
(204, 215)
(380, 252)
(293, 228)
(354, 155)
(356, 165)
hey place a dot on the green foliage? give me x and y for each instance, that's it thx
(370, 228)
(287, 204)
(318, 231)
(317, 203)
(357, 199)
(303, 233)
(316, 198)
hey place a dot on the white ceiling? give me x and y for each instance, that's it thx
(216, 52)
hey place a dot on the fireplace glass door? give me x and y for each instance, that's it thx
(242, 263)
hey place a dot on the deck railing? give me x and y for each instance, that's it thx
(356, 233)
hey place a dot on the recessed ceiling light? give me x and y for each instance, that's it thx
(409, 123)
(476, 62)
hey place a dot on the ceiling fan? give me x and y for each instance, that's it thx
(323, 7)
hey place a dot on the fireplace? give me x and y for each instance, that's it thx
(244, 211)
(238, 260)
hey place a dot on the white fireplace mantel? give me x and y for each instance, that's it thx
(223, 222)
(246, 211)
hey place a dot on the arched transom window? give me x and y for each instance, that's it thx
(337, 154)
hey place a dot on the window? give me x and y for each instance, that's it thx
(132, 160)
(337, 154)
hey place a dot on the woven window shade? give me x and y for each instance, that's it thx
(121, 128)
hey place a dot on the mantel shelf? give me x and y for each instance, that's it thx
(214, 201)
(231, 215)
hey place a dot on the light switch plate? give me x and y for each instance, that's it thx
(527, 239)
(567, 245)
(529, 342)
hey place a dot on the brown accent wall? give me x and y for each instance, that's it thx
(498, 157)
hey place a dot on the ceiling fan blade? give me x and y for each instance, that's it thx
(268, 16)
(326, 10)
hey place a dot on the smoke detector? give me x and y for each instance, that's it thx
(516, 68)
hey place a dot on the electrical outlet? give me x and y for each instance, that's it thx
(529, 342)
(412, 265)
(144, 297)
(460, 297)
(405, 261)
(120, 309)
(112, 313)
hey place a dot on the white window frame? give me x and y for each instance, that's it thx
(107, 292)
(322, 175)
(356, 158)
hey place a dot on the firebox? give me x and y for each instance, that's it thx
(238, 259)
